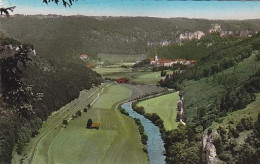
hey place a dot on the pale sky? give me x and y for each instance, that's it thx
(151, 8)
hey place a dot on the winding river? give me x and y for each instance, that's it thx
(155, 144)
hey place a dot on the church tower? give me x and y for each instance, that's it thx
(156, 59)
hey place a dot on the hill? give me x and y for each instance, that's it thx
(221, 84)
(108, 35)
(32, 87)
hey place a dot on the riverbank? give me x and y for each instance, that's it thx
(155, 144)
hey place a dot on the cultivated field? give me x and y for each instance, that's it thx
(139, 77)
(117, 140)
(165, 106)
(37, 148)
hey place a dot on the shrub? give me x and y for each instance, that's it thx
(247, 123)
(234, 132)
(240, 127)
(65, 122)
(224, 157)
(218, 145)
(85, 110)
(209, 131)
(89, 123)
(123, 111)
(78, 113)
(144, 139)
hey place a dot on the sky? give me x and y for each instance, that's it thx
(150, 8)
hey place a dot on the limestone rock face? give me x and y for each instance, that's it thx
(209, 150)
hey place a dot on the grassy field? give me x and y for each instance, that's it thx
(165, 106)
(119, 58)
(148, 78)
(139, 77)
(35, 150)
(117, 140)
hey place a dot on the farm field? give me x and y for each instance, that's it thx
(76, 144)
(165, 106)
(148, 78)
(36, 148)
(118, 58)
(139, 77)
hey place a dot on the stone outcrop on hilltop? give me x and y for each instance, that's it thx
(243, 33)
(191, 35)
(215, 28)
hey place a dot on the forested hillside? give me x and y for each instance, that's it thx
(196, 49)
(108, 35)
(223, 82)
(31, 88)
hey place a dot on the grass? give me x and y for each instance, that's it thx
(37, 146)
(165, 106)
(149, 77)
(117, 140)
(119, 58)
(139, 77)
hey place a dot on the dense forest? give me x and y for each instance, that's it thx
(31, 88)
(222, 82)
(109, 35)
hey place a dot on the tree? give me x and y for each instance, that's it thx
(16, 93)
(65, 2)
(89, 123)
(65, 122)
(85, 110)
(7, 10)
(78, 113)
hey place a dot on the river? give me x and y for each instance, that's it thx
(155, 144)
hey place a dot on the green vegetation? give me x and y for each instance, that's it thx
(39, 88)
(116, 133)
(195, 49)
(237, 132)
(165, 106)
(136, 76)
(106, 35)
(223, 82)
(183, 145)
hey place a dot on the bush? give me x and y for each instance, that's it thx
(224, 157)
(234, 132)
(144, 139)
(240, 127)
(218, 145)
(123, 111)
(85, 110)
(78, 113)
(89, 123)
(65, 122)
(247, 123)
(209, 131)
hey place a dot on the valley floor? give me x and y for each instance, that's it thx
(117, 140)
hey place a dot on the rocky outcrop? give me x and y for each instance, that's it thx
(209, 151)
(191, 35)
(180, 109)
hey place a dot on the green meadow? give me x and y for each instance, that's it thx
(165, 106)
(77, 144)
(136, 76)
